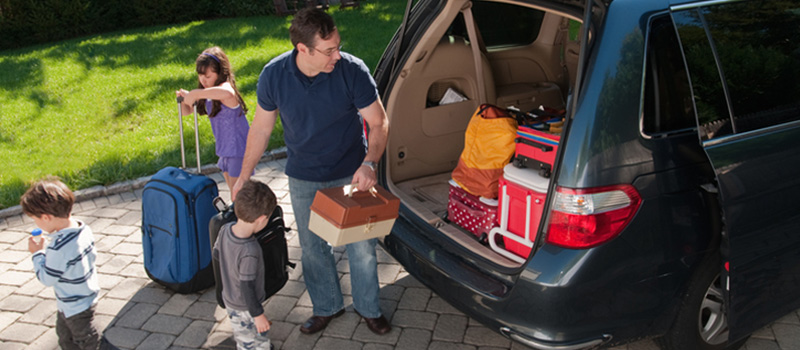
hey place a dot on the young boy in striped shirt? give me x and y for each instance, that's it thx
(66, 264)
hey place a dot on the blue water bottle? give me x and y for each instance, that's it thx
(37, 235)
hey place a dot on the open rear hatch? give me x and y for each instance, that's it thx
(454, 57)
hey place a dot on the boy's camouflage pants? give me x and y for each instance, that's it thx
(245, 333)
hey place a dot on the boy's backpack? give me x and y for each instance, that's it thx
(272, 240)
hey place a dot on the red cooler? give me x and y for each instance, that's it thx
(522, 195)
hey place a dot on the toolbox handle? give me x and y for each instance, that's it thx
(542, 146)
(351, 189)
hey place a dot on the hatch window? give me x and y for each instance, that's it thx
(501, 25)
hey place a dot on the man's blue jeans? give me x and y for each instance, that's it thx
(319, 265)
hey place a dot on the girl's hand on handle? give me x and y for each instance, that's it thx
(186, 106)
(181, 93)
(188, 97)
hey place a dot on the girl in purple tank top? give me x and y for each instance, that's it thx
(216, 95)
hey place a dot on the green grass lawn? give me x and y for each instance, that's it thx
(102, 109)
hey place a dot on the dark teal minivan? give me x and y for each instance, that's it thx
(670, 212)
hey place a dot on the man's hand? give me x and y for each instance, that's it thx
(262, 324)
(364, 177)
(34, 247)
(237, 186)
(257, 140)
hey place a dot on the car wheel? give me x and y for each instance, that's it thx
(702, 321)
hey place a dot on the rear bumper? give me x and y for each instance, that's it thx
(559, 301)
(544, 345)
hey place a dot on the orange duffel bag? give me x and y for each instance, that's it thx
(488, 147)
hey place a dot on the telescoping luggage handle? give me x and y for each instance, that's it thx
(196, 135)
(220, 204)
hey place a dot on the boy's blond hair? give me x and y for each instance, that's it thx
(48, 196)
(253, 200)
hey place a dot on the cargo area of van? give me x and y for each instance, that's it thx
(462, 62)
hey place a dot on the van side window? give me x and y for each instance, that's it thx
(711, 104)
(751, 47)
(668, 99)
(501, 24)
(758, 47)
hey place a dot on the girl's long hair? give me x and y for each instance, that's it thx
(216, 59)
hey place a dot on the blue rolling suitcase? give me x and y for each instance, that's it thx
(176, 209)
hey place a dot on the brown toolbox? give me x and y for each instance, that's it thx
(342, 215)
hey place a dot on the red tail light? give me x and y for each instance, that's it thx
(585, 218)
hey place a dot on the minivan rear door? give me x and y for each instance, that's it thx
(742, 58)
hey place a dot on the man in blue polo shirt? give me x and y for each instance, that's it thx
(322, 94)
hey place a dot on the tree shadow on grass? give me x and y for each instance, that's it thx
(154, 47)
(140, 48)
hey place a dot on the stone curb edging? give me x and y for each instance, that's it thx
(131, 185)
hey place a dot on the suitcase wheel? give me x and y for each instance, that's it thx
(544, 172)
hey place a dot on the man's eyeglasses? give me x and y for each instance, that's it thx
(329, 52)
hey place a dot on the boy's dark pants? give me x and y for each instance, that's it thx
(77, 332)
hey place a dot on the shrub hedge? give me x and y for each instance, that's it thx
(28, 22)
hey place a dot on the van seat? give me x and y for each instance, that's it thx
(451, 66)
(529, 96)
(430, 138)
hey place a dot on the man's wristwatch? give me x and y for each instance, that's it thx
(371, 165)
